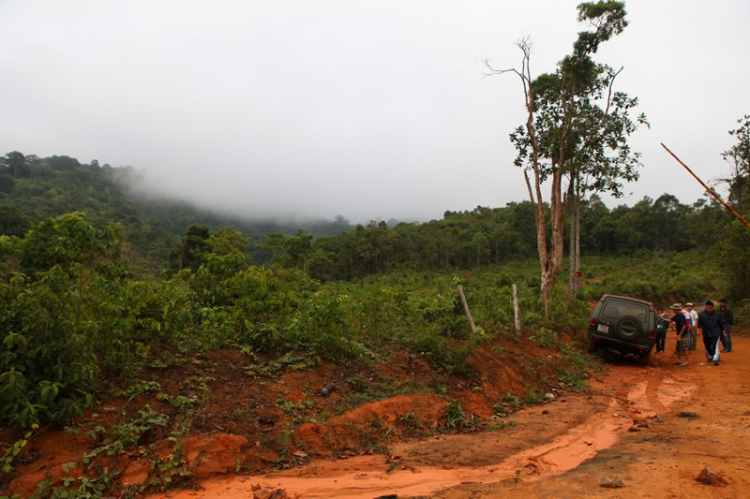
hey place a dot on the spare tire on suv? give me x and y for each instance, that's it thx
(629, 328)
(624, 324)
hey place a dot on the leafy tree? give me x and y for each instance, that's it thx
(275, 243)
(667, 215)
(38, 167)
(16, 162)
(228, 241)
(9, 249)
(708, 218)
(735, 255)
(480, 242)
(63, 163)
(66, 240)
(12, 222)
(6, 181)
(568, 133)
(738, 158)
(298, 249)
(193, 249)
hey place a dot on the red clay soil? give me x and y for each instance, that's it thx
(627, 427)
(709, 427)
(653, 427)
(255, 424)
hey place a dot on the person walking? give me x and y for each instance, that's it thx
(683, 334)
(662, 324)
(693, 326)
(727, 318)
(710, 323)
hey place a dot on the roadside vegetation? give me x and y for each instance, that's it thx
(80, 315)
(84, 323)
(136, 326)
(82, 326)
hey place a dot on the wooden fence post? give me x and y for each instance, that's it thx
(517, 314)
(466, 308)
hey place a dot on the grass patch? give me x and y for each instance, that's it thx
(379, 387)
(500, 425)
(454, 415)
(533, 396)
(577, 368)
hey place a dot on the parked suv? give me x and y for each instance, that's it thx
(623, 324)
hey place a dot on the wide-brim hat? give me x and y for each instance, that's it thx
(688, 304)
(676, 306)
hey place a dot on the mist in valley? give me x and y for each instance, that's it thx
(373, 111)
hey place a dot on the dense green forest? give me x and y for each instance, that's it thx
(33, 189)
(485, 236)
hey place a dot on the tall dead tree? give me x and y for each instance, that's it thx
(570, 133)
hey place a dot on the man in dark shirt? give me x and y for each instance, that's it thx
(727, 318)
(661, 329)
(710, 323)
(683, 335)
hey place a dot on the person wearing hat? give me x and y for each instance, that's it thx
(693, 326)
(683, 334)
(710, 323)
(661, 326)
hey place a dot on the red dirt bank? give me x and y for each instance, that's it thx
(255, 424)
(631, 431)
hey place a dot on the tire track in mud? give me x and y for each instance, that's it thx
(652, 394)
(637, 395)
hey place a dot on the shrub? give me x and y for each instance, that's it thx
(735, 253)
(742, 313)
(66, 240)
(47, 364)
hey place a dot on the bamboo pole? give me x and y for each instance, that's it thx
(710, 191)
(466, 308)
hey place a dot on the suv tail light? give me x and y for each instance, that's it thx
(652, 334)
(592, 322)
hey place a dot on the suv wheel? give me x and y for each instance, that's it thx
(593, 346)
(645, 357)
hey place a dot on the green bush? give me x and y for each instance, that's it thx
(734, 252)
(66, 240)
(47, 363)
(742, 313)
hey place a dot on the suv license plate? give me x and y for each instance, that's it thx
(603, 328)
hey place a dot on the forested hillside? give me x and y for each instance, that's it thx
(485, 236)
(33, 189)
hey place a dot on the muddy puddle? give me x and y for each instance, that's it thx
(367, 477)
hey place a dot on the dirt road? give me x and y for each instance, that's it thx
(654, 427)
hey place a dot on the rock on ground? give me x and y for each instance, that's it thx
(215, 454)
(611, 483)
(708, 477)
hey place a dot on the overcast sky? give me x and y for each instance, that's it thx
(370, 109)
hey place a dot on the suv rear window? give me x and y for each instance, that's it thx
(614, 309)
